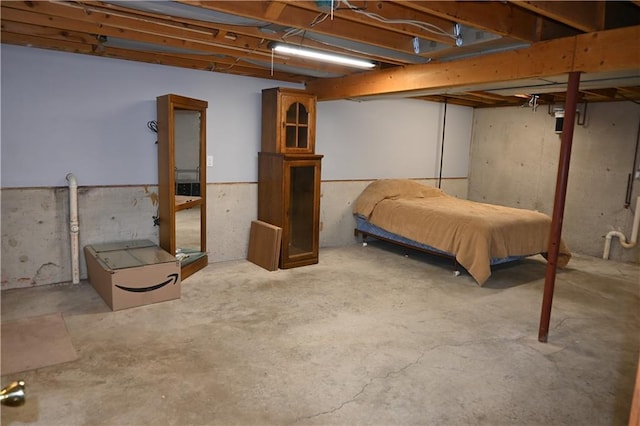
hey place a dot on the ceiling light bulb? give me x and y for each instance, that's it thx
(321, 56)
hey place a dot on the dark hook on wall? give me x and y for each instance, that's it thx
(153, 126)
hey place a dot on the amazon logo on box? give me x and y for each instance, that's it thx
(173, 279)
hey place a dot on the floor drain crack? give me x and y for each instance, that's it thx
(364, 387)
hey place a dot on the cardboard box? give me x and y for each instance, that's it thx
(264, 245)
(132, 273)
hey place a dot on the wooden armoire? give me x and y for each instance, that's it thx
(289, 174)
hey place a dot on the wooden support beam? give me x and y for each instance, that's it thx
(594, 52)
(632, 91)
(72, 18)
(474, 98)
(203, 63)
(497, 17)
(446, 98)
(237, 35)
(274, 9)
(69, 17)
(392, 12)
(487, 95)
(294, 17)
(588, 16)
(607, 94)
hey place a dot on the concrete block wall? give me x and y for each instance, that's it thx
(514, 162)
(36, 247)
(35, 223)
(232, 207)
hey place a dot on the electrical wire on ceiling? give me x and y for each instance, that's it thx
(434, 29)
(240, 58)
(320, 18)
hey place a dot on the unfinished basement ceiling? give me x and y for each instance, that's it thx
(234, 37)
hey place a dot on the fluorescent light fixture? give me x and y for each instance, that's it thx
(321, 56)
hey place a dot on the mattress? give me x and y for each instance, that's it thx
(477, 234)
(364, 226)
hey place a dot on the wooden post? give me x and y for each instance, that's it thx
(634, 414)
(559, 201)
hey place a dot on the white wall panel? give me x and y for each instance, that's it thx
(392, 139)
(65, 112)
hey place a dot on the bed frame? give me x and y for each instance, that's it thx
(364, 229)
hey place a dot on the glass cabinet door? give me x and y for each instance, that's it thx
(297, 126)
(296, 118)
(301, 210)
(300, 239)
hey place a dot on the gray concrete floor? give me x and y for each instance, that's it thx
(367, 336)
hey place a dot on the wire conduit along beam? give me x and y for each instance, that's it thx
(74, 228)
(623, 240)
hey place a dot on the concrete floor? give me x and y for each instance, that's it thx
(367, 336)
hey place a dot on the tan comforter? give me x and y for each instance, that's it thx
(473, 232)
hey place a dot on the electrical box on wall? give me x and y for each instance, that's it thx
(558, 113)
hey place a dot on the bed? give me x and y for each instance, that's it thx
(476, 235)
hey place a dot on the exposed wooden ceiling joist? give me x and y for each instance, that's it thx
(601, 51)
(305, 19)
(497, 17)
(400, 36)
(589, 17)
(72, 18)
(395, 16)
(607, 94)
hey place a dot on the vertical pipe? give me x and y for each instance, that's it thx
(74, 228)
(444, 124)
(559, 201)
(627, 200)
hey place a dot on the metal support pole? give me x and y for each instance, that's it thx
(559, 201)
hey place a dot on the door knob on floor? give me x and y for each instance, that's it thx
(13, 395)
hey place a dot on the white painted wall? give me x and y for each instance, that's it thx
(87, 115)
(392, 139)
(66, 113)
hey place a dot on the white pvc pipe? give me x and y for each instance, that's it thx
(74, 228)
(623, 240)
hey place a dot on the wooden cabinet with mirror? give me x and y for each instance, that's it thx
(182, 197)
